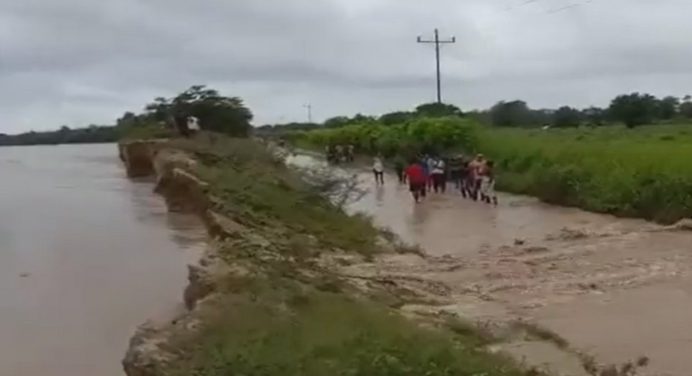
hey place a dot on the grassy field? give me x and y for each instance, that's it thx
(643, 172)
(288, 316)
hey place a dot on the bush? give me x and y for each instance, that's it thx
(415, 136)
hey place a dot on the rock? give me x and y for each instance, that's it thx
(201, 285)
(223, 227)
(145, 356)
(518, 242)
(24, 275)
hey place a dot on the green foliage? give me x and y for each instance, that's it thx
(642, 173)
(634, 109)
(216, 113)
(318, 333)
(567, 117)
(510, 114)
(410, 138)
(438, 110)
(396, 117)
(264, 192)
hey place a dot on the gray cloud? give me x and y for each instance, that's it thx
(82, 61)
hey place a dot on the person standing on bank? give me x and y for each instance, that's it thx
(378, 170)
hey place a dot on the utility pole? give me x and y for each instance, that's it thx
(309, 109)
(437, 42)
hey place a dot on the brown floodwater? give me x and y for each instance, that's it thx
(86, 255)
(614, 288)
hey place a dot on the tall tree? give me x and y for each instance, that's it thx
(510, 114)
(634, 109)
(686, 107)
(668, 107)
(594, 116)
(566, 117)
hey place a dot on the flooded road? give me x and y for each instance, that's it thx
(86, 255)
(615, 288)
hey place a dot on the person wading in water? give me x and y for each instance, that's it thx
(488, 183)
(378, 170)
(416, 180)
(476, 168)
(439, 176)
(399, 166)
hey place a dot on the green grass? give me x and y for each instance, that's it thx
(643, 172)
(288, 316)
(146, 132)
(293, 332)
(259, 190)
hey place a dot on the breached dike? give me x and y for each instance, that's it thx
(138, 156)
(149, 349)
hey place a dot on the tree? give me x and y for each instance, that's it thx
(668, 107)
(398, 117)
(566, 117)
(337, 122)
(686, 107)
(510, 114)
(215, 112)
(634, 109)
(438, 110)
(594, 116)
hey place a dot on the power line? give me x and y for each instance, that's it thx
(437, 43)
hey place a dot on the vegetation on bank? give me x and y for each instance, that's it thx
(287, 315)
(642, 172)
(639, 173)
(430, 135)
(65, 135)
(216, 112)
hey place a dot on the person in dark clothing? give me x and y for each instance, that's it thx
(399, 167)
(456, 165)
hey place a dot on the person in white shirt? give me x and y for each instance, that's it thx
(439, 175)
(378, 170)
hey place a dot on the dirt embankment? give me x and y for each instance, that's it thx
(150, 348)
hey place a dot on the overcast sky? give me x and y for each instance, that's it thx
(78, 62)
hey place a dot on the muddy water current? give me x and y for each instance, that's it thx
(614, 288)
(86, 255)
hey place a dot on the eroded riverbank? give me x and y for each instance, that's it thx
(615, 288)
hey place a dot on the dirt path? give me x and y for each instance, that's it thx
(615, 288)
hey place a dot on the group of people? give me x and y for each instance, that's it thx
(340, 153)
(474, 178)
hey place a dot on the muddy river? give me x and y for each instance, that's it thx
(614, 288)
(86, 255)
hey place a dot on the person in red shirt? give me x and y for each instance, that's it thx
(417, 180)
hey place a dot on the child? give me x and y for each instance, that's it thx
(488, 183)
(416, 179)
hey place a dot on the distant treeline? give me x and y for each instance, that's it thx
(630, 109)
(215, 112)
(65, 135)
